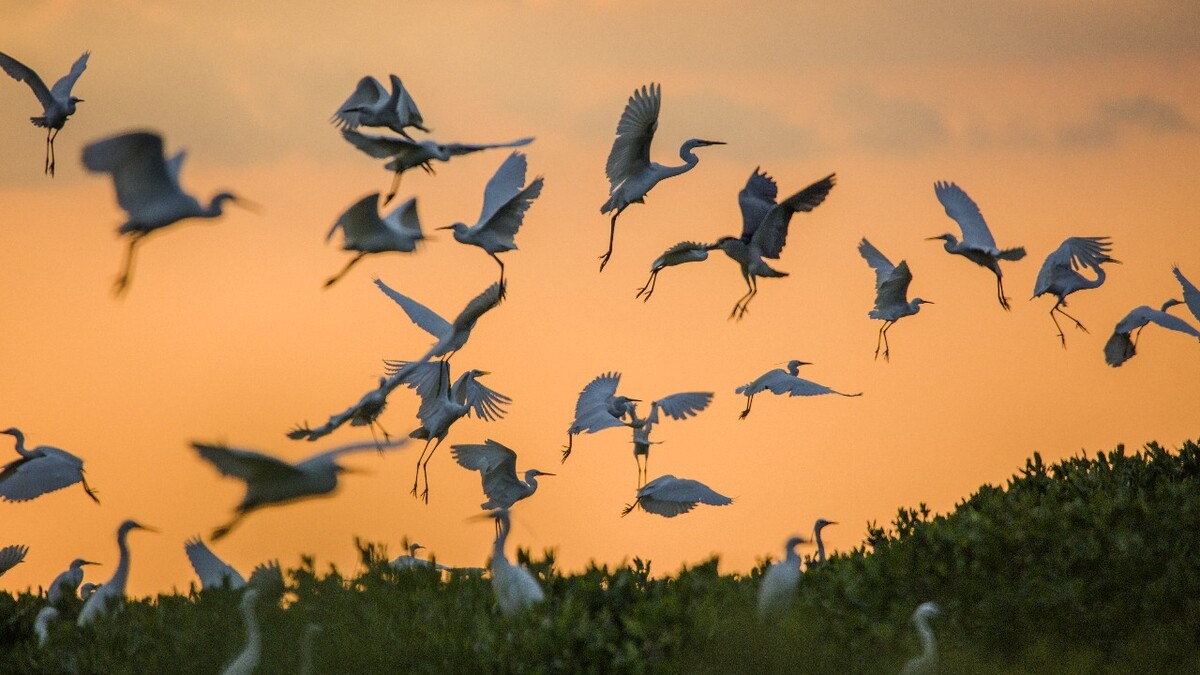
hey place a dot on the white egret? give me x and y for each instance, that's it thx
(780, 381)
(497, 467)
(404, 153)
(148, 188)
(683, 252)
(213, 572)
(410, 560)
(669, 496)
(373, 106)
(817, 527)
(113, 590)
(598, 408)
(57, 102)
(977, 244)
(676, 406)
(366, 231)
(247, 661)
(505, 201)
(1120, 347)
(1059, 275)
(88, 589)
(66, 584)
(891, 292)
(515, 587)
(927, 661)
(450, 336)
(11, 556)
(630, 172)
(270, 481)
(40, 470)
(780, 580)
(41, 624)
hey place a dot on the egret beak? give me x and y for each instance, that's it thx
(485, 372)
(712, 142)
(447, 227)
(942, 237)
(149, 529)
(89, 562)
(543, 473)
(251, 206)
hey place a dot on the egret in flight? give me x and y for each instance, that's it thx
(497, 467)
(669, 496)
(40, 470)
(372, 106)
(977, 244)
(213, 572)
(364, 413)
(677, 407)
(1060, 275)
(450, 336)
(1120, 347)
(927, 661)
(148, 188)
(113, 590)
(516, 588)
(365, 231)
(247, 661)
(780, 381)
(780, 580)
(66, 584)
(11, 556)
(891, 292)
(683, 252)
(57, 102)
(630, 172)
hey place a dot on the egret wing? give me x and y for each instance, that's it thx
(427, 378)
(630, 152)
(965, 212)
(27, 479)
(1140, 316)
(62, 88)
(795, 386)
(404, 221)
(1191, 295)
(359, 220)
(497, 467)
(503, 185)
(760, 383)
(771, 235)
(877, 260)
(1073, 254)
(23, 73)
(247, 465)
(354, 447)
(669, 496)
(10, 556)
(591, 410)
(367, 94)
(406, 107)
(381, 147)
(680, 406)
(480, 304)
(486, 404)
(419, 314)
(213, 571)
(894, 290)
(756, 201)
(139, 169)
(456, 149)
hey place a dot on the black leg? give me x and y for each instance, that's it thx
(334, 279)
(612, 231)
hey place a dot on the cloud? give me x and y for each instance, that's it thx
(895, 126)
(1115, 118)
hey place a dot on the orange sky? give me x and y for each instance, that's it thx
(1060, 119)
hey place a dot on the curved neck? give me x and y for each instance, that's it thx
(531, 481)
(820, 545)
(793, 556)
(16, 433)
(928, 644)
(253, 640)
(501, 538)
(214, 206)
(121, 574)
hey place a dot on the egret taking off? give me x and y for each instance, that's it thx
(927, 661)
(497, 467)
(891, 292)
(247, 661)
(669, 496)
(57, 102)
(977, 244)
(213, 572)
(780, 580)
(1060, 275)
(780, 381)
(630, 172)
(372, 106)
(66, 584)
(683, 252)
(365, 231)
(1120, 347)
(148, 189)
(11, 556)
(113, 590)
(40, 470)
(515, 587)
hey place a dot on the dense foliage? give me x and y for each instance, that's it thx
(1089, 565)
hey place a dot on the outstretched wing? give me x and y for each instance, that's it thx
(756, 201)
(213, 571)
(630, 152)
(680, 406)
(139, 169)
(1191, 296)
(381, 147)
(355, 447)
(1073, 254)
(368, 93)
(406, 107)
(26, 479)
(23, 73)
(771, 235)
(479, 305)
(591, 410)
(486, 404)
(427, 378)
(505, 202)
(62, 88)
(455, 149)
(962, 209)
(878, 262)
(420, 314)
(247, 465)
(10, 556)
(359, 220)
(669, 496)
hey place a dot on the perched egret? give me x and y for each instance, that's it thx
(113, 590)
(247, 661)
(66, 584)
(365, 231)
(372, 106)
(404, 153)
(270, 481)
(213, 572)
(57, 102)
(669, 496)
(683, 252)
(1120, 347)
(148, 189)
(40, 470)
(410, 560)
(676, 406)
(927, 661)
(11, 556)
(450, 336)
(1059, 275)
(817, 527)
(41, 624)
(780, 381)
(505, 201)
(630, 172)
(497, 466)
(780, 580)
(515, 587)
(977, 244)
(891, 292)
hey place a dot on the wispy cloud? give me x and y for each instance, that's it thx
(891, 125)
(1115, 118)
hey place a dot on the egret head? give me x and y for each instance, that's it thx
(1165, 306)
(793, 542)
(917, 302)
(80, 562)
(948, 239)
(460, 229)
(821, 523)
(133, 525)
(926, 610)
(699, 143)
(535, 472)
(794, 365)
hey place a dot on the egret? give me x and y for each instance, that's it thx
(683, 252)
(88, 589)
(11, 556)
(213, 572)
(1059, 275)
(148, 189)
(450, 336)
(676, 406)
(891, 292)
(57, 102)
(497, 467)
(40, 470)
(630, 172)
(66, 584)
(372, 106)
(817, 527)
(247, 661)
(41, 624)
(977, 244)
(410, 560)
(780, 580)
(780, 381)
(363, 413)
(927, 661)
(598, 408)
(1120, 348)
(270, 481)
(365, 231)
(113, 590)
(505, 201)
(404, 153)
(669, 496)
(516, 588)
(311, 631)
(267, 579)
(765, 229)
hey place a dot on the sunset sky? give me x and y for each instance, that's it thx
(1060, 118)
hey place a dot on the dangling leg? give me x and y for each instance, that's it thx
(425, 471)
(883, 333)
(417, 475)
(739, 306)
(227, 527)
(395, 187)
(612, 231)
(127, 267)
(648, 289)
(1000, 292)
(1078, 325)
(749, 400)
(503, 286)
(333, 279)
(753, 281)
(87, 488)
(879, 339)
(567, 450)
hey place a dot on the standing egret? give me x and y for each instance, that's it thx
(11, 556)
(148, 189)
(213, 572)
(270, 481)
(891, 292)
(630, 172)
(1059, 275)
(88, 589)
(1120, 348)
(40, 470)
(669, 496)
(113, 590)
(598, 408)
(57, 102)
(365, 231)
(41, 624)
(372, 106)
(977, 244)
(817, 527)
(450, 336)
(927, 661)
(66, 584)
(676, 406)
(516, 588)
(410, 560)
(683, 252)
(505, 201)
(780, 381)
(780, 580)
(247, 661)
(497, 467)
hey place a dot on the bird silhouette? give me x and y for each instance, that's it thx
(373, 106)
(497, 467)
(515, 586)
(39, 471)
(891, 292)
(66, 584)
(112, 591)
(668, 496)
(779, 381)
(977, 244)
(365, 231)
(679, 254)
(1060, 275)
(1121, 347)
(780, 580)
(57, 102)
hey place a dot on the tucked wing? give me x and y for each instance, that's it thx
(23, 73)
(680, 406)
(419, 314)
(367, 94)
(27, 479)
(213, 571)
(139, 169)
(963, 210)
(771, 235)
(756, 201)
(591, 410)
(62, 88)
(630, 152)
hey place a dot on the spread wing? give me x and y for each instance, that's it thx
(1191, 296)
(680, 406)
(367, 94)
(878, 262)
(382, 147)
(771, 235)
(26, 479)
(213, 571)
(497, 466)
(62, 88)
(419, 314)
(486, 404)
(359, 220)
(962, 209)
(669, 496)
(756, 201)
(1073, 254)
(406, 107)
(139, 169)
(23, 73)
(10, 556)
(479, 305)
(247, 465)
(455, 149)
(630, 152)
(591, 410)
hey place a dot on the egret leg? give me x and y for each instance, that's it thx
(87, 488)
(648, 289)
(425, 470)
(127, 266)
(744, 303)
(612, 231)
(51, 134)
(334, 279)
(1078, 324)
(395, 187)
(749, 401)
(1000, 293)
(417, 475)
(227, 527)
(883, 335)
(503, 286)
(879, 339)
(567, 449)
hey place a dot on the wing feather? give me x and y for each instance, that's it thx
(965, 212)
(421, 315)
(635, 131)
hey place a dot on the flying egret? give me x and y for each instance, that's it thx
(891, 292)
(11, 556)
(630, 172)
(247, 661)
(404, 153)
(598, 408)
(817, 527)
(765, 229)
(780, 381)
(683, 252)
(113, 590)
(1059, 275)
(66, 584)
(977, 244)
(505, 201)
(669, 496)
(372, 106)
(927, 661)
(41, 624)
(270, 481)
(213, 572)
(497, 467)
(780, 580)
(57, 102)
(365, 231)
(148, 189)
(450, 336)
(1120, 348)
(40, 470)
(676, 406)
(363, 413)
(516, 588)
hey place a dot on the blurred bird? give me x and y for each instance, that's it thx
(148, 188)
(39, 471)
(780, 580)
(497, 467)
(213, 572)
(780, 382)
(66, 584)
(410, 560)
(57, 102)
(112, 591)
(1120, 347)
(630, 172)
(11, 556)
(247, 661)
(365, 231)
(270, 481)
(683, 252)
(669, 496)
(1059, 275)
(364, 413)
(372, 106)
(41, 624)
(977, 244)
(311, 631)
(516, 588)
(88, 589)
(450, 336)
(927, 661)
(817, 527)
(891, 292)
